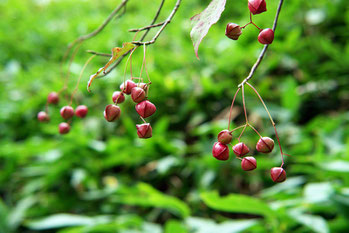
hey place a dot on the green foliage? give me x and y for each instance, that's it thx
(100, 178)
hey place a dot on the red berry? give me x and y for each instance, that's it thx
(225, 137)
(64, 128)
(144, 130)
(126, 87)
(278, 174)
(266, 36)
(53, 98)
(145, 108)
(265, 145)
(220, 151)
(118, 97)
(257, 6)
(233, 31)
(67, 112)
(144, 86)
(240, 149)
(81, 111)
(43, 117)
(137, 94)
(248, 163)
(112, 112)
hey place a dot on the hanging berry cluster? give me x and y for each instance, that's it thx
(264, 145)
(266, 36)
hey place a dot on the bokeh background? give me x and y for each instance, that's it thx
(102, 178)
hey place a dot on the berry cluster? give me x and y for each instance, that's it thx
(67, 113)
(144, 107)
(248, 163)
(266, 36)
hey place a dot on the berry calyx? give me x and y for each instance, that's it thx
(53, 98)
(144, 130)
(257, 6)
(67, 112)
(266, 36)
(145, 108)
(225, 137)
(278, 174)
(112, 112)
(248, 163)
(118, 97)
(126, 87)
(265, 145)
(233, 31)
(240, 149)
(137, 94)
(81, 111)
(64, 128)
(43, 117)
(220, 151)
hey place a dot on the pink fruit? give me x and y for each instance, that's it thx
(112, 112)
(145, 108)
(220, 151)
(144, 130)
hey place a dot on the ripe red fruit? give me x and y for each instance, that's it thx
(145, 108)
(43, 117)
(64, 128)
(137, 94)
(248, 163)
(257, 6)
(266, 36)
(126, 87)
(225, 137)
(81, 111)
(233, 31)
(265, 145)
(240, 149)
(53, 98)
(144, 130)
(67, 112)
(144, 86)
(220, 151)
(118, 97)
(112, 112)
(278, 174)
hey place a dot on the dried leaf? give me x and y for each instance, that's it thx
(203, 21)
(116, 53)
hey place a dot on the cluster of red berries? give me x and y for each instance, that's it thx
(266, 36)
(67, 112)
(264, 145)
(143, 107)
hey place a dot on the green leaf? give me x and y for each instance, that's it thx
(203, 21)
(145, 195)
(315, 223)
(173, 226)
(237, 203)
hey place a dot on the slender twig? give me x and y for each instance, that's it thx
(231, 107)
(261, 55)
(167, 21)
(146, 27)
(143, 36)
(99, 54)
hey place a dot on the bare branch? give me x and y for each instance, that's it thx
(168, 20)
(261, 55)
(99, 54)
(146, 27)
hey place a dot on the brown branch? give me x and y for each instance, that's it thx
(99, 54)
(261, 55)
(142, 38)
(167, 21)
(146, 27)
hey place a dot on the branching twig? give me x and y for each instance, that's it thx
(146, 27)
(99, 54)
(139, 43)
(261, 55)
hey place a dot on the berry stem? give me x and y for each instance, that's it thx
(242, 132)
(78, 82)
(231, 107)
(255, 130)
(272, 122)
(244, 104)
(239, 127)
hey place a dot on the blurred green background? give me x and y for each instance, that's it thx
(102, 178)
